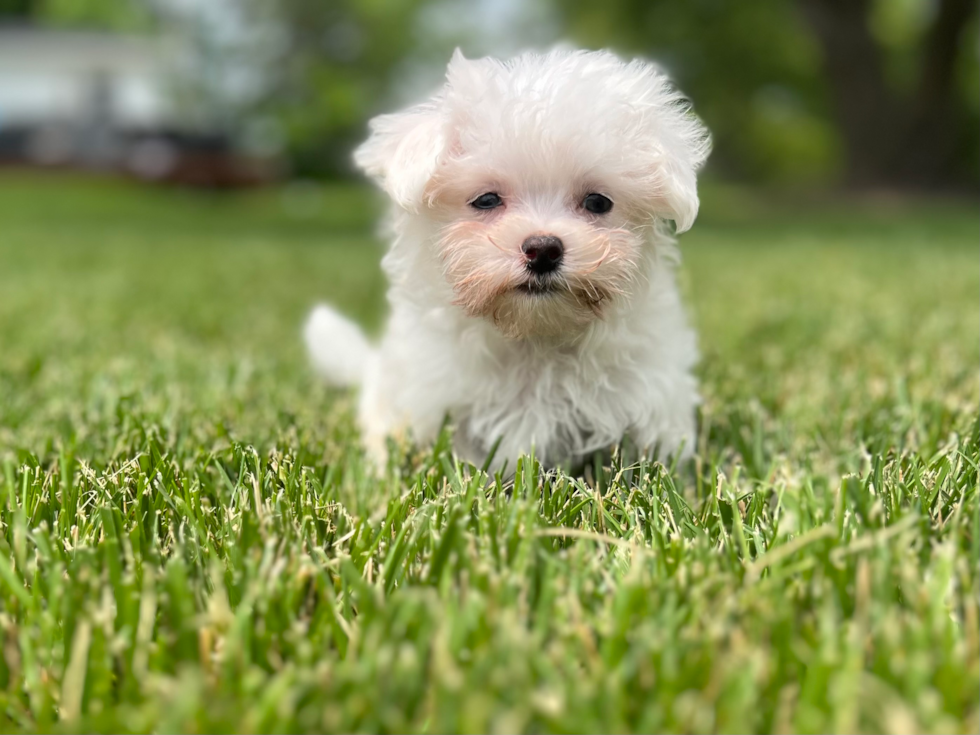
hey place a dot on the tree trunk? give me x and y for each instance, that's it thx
(933, 122)
(890, 140)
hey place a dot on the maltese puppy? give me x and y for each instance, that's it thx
(531, 264)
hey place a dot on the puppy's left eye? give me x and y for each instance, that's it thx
(490, 200)
(596, 203)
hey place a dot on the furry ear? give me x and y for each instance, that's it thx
(681, 146)
(679, 194)
(403, 150)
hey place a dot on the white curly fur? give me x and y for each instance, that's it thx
(607, 351)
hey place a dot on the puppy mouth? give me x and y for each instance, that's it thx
(537, 287)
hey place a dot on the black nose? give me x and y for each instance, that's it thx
(543, 253)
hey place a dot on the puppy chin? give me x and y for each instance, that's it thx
(556, 315)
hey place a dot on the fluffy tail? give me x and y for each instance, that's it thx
(339, 350)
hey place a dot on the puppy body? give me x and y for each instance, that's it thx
(581, 149)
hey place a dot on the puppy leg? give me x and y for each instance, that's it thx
(385, 409)
(669, 431)
(375, 414)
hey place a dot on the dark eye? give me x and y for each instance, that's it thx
(596, 203)
(490, 200)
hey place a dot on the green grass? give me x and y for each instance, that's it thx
(190, 539)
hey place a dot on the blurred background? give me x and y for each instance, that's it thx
(176, 193)
(815, 95)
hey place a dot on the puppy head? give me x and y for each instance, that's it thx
(542, 176)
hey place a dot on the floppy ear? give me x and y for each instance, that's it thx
(403, 150)
(681, 145)
(679, 194)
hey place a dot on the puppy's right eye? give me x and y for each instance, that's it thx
(490, 200)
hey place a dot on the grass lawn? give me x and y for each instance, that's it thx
(190, 539)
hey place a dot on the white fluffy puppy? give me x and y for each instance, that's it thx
(532, 295)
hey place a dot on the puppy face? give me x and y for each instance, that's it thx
(542, 178)
(539, 250)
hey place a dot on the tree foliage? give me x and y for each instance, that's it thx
(102, 14)
(328, 65)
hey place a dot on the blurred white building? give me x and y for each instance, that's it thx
(70, 75)
(105, 101)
